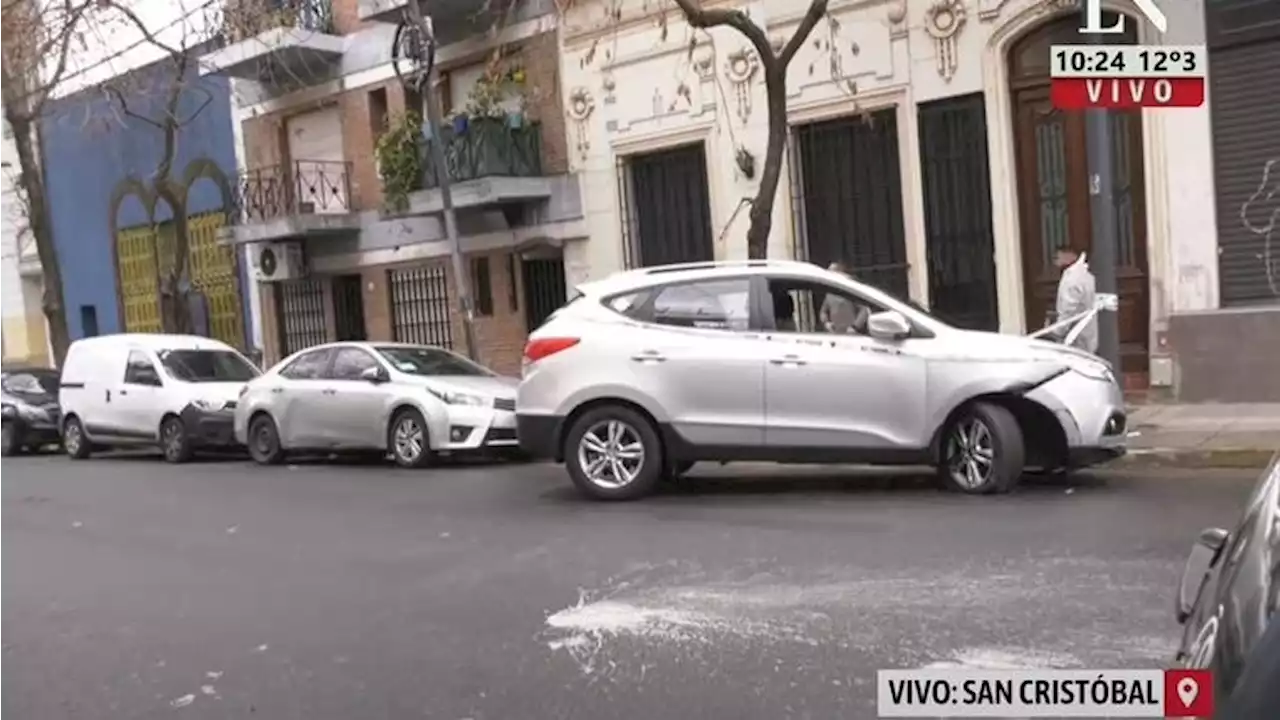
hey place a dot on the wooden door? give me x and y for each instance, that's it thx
(1053, 192)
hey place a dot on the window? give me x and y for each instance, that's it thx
(310, 366)
(349, 362)
(89, 320)
(199, 366)
(482, 286)
(140, 370)
(378, 120)
(809, 307)
(513, 291)
(32, 382)
(430, 361)
(632, 305)
(716, 305)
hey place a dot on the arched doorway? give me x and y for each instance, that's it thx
(1053, 186)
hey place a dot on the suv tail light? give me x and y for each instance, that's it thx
(538, 349)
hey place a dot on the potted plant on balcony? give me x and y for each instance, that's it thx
(399, 161)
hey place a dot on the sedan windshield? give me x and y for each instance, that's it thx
(201, 366)
(431, 361)
(32, 382)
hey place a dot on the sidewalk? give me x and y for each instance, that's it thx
(1208, 435)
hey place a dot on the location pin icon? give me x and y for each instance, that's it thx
(1188, 688)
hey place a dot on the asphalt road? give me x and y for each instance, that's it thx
(134, 589)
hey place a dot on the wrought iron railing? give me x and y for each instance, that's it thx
(487, 147)
(244, 19)
(301, 187)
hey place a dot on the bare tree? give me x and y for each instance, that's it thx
(166, 115)
(38, 39)
(774, 64)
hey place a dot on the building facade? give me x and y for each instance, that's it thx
(114, 234)
(25, 335)
(1227, 351)
(340, 220)
(923, 151)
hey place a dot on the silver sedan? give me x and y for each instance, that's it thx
(413, 401)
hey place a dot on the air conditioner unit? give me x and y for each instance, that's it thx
(279, 261)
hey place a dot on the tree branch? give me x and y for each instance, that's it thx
(150, 37)
(817, 9)
(116, 93)
(700, 17)
(62, 40)
(208, 98)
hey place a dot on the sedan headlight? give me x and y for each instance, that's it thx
(209, 405)
(1094, 371)
(450, 397)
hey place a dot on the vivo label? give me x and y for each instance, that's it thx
(1093, 18)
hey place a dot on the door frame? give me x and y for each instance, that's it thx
(1006, 220)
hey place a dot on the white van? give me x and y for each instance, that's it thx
(175, 391)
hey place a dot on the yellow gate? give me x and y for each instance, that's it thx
(213, 273)
(139, 282)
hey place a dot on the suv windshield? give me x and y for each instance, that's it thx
(199, 366)
(431, 361)
(32, 382)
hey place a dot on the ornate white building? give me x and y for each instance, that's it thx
(25, 337)
(923, 150)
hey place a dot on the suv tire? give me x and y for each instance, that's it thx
(174, 441)
(613, 439)
(982, 451)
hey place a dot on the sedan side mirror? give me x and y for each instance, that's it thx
(374, 375)
(888, 325)
(1203, 553)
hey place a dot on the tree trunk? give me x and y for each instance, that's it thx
(762, 208)
(175, 315)
(31, 179)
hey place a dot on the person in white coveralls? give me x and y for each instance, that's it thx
(1077, 293)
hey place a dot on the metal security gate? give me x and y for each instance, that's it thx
(544, 289)
(420, 306)
(300, 314)
(348, 308)
(137, 271)
(851, 195)
(957, 212)
(1244, 83)
(214, 274)
(666, 207)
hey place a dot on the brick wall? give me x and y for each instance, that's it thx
(541, 56)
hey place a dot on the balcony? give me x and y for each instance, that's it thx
(297, 199)
(490, 161)
(277, 42)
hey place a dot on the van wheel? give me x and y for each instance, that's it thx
(613, 453)
(11, 441)
(983, 451)
(264, 441)
(74, 442)
(409, 440)
(174, 441)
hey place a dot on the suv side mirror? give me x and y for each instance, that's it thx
(375, 375)
(888, 325)
(1203, 554)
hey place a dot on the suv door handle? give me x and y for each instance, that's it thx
(788, 360)
(277, 390)
(649, 356)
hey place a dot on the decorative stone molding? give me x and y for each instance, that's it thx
(989, 10)
(897, 17)
(704, 65)
(608, 86)
(581, 105)
(740, 68)
(943, 21)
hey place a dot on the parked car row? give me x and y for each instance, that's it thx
(188, 394)
(636, 378)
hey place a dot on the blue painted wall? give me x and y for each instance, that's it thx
(90, 145)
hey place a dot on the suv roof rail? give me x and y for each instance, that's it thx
(712, 264)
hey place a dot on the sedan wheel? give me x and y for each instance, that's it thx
(982, 452)
(410, 443)
(264, 441)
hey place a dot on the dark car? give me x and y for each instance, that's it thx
(30, 406)
(1227, 604)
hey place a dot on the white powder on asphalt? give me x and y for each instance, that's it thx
(1005, 658)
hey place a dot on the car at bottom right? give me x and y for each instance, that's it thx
(1227, 603)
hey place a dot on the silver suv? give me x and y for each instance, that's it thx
(645, 372)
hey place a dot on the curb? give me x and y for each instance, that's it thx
(1196, 459)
